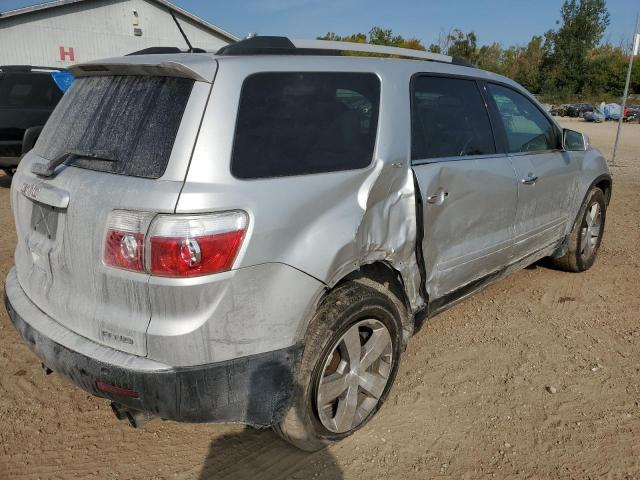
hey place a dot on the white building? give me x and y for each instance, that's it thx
(62, 32)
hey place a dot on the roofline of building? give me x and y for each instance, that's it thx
(59, 3)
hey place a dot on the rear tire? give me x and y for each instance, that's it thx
(352, 352)
(586, 236)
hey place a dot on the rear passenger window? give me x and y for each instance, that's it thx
(527, 129)
(303, 123)
(449, 119)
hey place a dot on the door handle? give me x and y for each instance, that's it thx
(437, 198)
(530, 179)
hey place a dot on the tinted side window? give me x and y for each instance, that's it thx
(303, 123)
(449, 119)
(28, 90)
(527, 129)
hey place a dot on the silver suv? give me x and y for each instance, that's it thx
(254, 236)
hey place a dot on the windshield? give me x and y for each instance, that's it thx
(134, 118)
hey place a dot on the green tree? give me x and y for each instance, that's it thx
(583, 24)
(380, 36)
(463, 45)
(355, 38)
(377, 36)
(561, 63)
(489, 57)
(607, 70)
(526, 63)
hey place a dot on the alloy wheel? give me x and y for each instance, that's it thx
(354, 376)
(591, 230)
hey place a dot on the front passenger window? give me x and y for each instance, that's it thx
(527, 129)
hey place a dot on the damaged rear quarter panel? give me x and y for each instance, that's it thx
(323, 226)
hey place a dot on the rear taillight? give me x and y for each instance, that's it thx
(192, 245)
(124, 243)
(174, 245)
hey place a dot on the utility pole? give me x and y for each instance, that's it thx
(634, 52)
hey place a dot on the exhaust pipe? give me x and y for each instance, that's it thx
(136, 418)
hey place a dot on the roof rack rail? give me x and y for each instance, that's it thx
(271, 45)
(163, 50)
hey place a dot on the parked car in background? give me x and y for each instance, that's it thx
(578, 109)
(28, 95)
(559, 110)
(249, 237)
(595, 116)
(573, 110)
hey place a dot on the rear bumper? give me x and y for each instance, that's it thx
(255, 390)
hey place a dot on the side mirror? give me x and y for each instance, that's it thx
(573, 141)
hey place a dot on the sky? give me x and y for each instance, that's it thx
(508, 22)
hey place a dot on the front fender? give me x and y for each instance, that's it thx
(593, 171)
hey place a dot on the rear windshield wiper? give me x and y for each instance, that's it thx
(48, 169)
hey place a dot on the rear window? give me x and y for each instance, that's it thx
(304, 123)
(28, 90)
(132, 120)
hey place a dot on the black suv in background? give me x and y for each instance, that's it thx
(28, 95)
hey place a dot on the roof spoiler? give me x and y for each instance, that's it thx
(161, 69)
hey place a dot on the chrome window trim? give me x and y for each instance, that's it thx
(537, 152)
(426, 161)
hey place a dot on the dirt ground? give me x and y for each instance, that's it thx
(471, 399)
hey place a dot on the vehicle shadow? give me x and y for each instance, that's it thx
(261, 454)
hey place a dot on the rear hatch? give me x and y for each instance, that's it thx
(132, 136)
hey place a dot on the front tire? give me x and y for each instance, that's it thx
(586, 236)
(352, 352)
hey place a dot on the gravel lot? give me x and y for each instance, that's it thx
(472, 398)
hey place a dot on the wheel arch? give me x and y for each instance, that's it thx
(604, 183)
(383, 277)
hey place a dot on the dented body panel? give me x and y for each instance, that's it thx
(468, 233)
